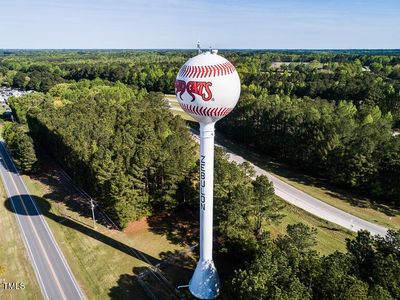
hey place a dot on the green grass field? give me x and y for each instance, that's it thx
(175, 105)
(183, 115)
(100, 259)
(171, 97)
(14, 257)
(361, 207)
(358, 206)
(330, 237)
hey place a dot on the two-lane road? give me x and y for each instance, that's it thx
(313, 205)
(52, 271)
(305, 201)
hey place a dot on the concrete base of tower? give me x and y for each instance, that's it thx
(205, 280)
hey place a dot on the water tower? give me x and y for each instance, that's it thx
(207, 88)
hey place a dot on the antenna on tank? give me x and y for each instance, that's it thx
(198, 47)
(213, 51)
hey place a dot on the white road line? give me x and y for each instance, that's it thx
(25, 239)
(305, 201)
(37, 236)
(42, 247)
(48, 231)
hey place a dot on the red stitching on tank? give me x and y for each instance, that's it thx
(206, 71)
(206, 111)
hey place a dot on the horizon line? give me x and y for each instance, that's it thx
(205, 49)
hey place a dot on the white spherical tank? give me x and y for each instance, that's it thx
(207, 87)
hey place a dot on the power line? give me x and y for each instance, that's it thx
(155, 272)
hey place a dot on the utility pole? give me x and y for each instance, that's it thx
(94, 219)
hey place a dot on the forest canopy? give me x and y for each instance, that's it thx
(333, 114)
(120, 144)
(103, 117)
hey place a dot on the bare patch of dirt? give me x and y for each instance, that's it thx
(137, 226)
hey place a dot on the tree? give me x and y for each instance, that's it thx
(270, 276)
(265, 206)
(22, 105)
(335, 280)
(21, 146)
(376, 261)
(280, 270)
(300, 236)
(244, 208)
(21, 80)
(362, 254)
(120, 144)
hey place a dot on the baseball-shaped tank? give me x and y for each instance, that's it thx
(207, 87)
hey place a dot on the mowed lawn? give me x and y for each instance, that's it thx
(176, 108)
(361, 207)
(183, 115)
(14, 257)
(345, 200)
(330, 237)
(102, 260)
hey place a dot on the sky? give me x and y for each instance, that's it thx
(171, 24)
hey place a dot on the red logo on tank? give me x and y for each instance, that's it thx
(201, 88)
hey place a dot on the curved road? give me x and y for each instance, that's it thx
(52, 271)
(311, 204)
(307, 202)
(300, 199)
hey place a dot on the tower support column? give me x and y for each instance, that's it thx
(205, 281)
